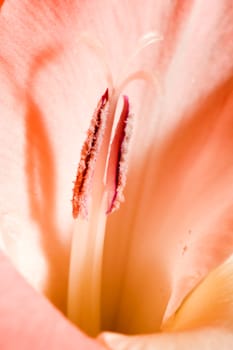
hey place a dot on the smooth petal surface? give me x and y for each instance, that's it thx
(175, 225)
(29, 321)
(207, 339)
(176, 222)
(209, 304)
(36, 182)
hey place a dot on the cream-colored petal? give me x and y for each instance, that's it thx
(206, 339)
(209, 304)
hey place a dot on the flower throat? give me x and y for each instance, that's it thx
(98, 189)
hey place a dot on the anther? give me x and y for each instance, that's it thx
(89, 153)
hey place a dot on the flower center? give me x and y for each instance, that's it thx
(98, 191)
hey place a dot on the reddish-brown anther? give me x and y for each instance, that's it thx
(90, 149)
(115, 154)
(117, 167)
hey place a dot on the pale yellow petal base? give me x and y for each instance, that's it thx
(209, 304)
(206, 339)
(203, 321)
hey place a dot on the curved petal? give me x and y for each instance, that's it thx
(28, 321)
(175, 225)
(36, 182)
(210, 304)
(209, 339)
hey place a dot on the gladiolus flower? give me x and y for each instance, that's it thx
(132, 102)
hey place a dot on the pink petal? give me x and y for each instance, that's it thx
(47, 96)
(28, 321)
(37, 117)
(175, 225)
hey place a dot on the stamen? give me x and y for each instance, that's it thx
(85, 279)
(98, 190)
(117, 167)
(90, 150)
